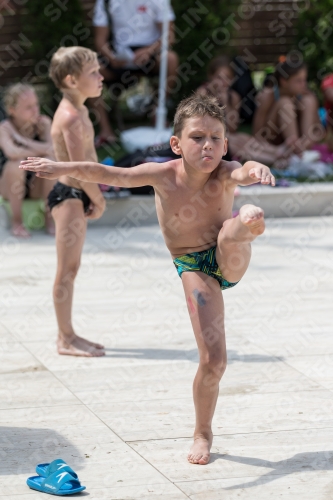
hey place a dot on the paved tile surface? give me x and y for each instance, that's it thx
(125, 421)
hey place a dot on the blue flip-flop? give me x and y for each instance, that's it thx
(58, 483)
(45, 470)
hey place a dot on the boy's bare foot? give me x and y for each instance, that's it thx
(73, 345)
(20, 231)
(200, 451)
(253, 218)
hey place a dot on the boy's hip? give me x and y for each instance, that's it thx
(62, 192)
(204, 261)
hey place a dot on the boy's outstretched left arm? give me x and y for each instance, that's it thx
(141, 175)
(252, 172)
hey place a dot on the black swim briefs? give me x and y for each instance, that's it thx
(61, 192)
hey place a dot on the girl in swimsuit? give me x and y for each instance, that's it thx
(287, 111)
(24, 133)
(240, 145)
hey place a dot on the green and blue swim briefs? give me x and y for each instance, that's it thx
(204, 261)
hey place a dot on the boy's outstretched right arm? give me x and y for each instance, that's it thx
(141, 175)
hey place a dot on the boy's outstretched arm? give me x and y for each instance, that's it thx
(142, 175)
(252, 172)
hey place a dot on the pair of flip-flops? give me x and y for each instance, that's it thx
(55, 478)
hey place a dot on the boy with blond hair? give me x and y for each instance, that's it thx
(75, 71)
(210, 249)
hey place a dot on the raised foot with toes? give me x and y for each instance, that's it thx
(253, 218)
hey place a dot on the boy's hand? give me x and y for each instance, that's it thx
(262, 174)
(95, 211)
(44, 168)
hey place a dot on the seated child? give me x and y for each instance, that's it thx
(25, 132)
(327, 88)
(75, 71)
(220, 76)
(241, 145)
(287, 110)
(210, 249)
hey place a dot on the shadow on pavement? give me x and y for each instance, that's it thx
(187, 355)
(301, 462)
(22, 448)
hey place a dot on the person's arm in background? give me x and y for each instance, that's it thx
(143, 55)
(101, 40)
(73, 137)
(15, 145)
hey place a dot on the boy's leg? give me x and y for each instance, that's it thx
(205, 306)
(13, 190)
(71, 228)
(233, 251)
(40, 188)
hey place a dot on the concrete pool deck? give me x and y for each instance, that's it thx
(124, 422)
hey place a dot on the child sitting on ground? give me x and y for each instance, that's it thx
(327, 88)
(75, 71)
(287, 111)
(220, 76)
(210, 249)
(25, 132)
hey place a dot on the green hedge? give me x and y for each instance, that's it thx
(51, 25)
(200, 24)
(315, 38)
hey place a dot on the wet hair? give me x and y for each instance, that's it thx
(12, 94)
(287, 67)
(197, 105)
(69, 61)
(217, 63)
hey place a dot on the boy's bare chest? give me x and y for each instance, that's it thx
(87, 129)
(192, 211)
(212, 199)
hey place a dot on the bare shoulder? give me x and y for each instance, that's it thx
(67, 116)
(163, 174)
(44, 124)
(5, 125)
(7, 131)
(226, 168)
(45, 120)
(265, 96)
(168, 168)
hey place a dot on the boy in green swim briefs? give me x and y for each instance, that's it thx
(211, 250)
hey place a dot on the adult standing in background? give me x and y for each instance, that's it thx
(128, 38)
